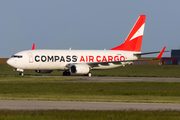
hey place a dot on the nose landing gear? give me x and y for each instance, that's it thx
(21, 74)
(20, 70)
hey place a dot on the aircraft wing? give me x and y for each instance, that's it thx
(93, 64)
(158, 57)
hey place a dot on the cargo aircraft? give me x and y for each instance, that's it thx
(83, 61)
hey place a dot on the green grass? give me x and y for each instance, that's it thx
(13, 87)
(7, 70)
(27, 88)
(128, 71)
(88, 115)
(141, 71)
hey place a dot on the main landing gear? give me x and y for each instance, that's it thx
(89, 74)
(65, 73)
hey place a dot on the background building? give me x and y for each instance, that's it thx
(176, 54)
(3, 60)
(150, 62)
(169, 60)
(173, 60)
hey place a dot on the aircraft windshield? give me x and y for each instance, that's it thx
(17, 56)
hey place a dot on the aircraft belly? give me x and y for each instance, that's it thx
(106, 66)
(51, 66)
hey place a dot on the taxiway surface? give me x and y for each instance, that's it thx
(71, 105)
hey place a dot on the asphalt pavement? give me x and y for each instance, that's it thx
(73, 105)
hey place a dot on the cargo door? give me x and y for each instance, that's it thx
(30, 57)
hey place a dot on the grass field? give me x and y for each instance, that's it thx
(14, 87)
(50, 88)
(88, 115)
(128, 71)
(27, 88)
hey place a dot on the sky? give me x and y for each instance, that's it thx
(86, 24)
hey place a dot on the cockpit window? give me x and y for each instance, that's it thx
(17, 56)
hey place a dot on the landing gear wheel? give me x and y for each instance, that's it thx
(66, 73)
(21, 73)
(89, 74)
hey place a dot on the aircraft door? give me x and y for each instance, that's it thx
(30, 57)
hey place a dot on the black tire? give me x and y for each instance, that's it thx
(66, 74)
(21, 74)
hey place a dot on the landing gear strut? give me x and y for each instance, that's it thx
(20, 70)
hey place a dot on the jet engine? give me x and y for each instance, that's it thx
(43, 71)
(79, 69)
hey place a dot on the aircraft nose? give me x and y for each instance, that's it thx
(10, 62)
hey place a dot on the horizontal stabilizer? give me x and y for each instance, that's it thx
(150, 52)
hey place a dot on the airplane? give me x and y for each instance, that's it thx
(83, 61)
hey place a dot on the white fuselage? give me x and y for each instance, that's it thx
(59, 59)
(81, 61)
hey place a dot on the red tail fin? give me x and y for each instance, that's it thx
(134, 39)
